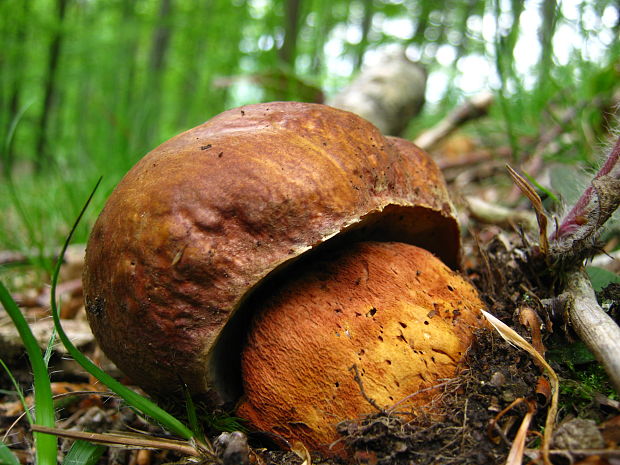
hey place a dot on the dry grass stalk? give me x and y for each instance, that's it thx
(514, 338)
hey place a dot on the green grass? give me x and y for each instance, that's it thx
(46, 445)
(137, 401)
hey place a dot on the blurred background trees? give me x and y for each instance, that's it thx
(88, 86)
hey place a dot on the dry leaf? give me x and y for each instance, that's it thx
(302, 452)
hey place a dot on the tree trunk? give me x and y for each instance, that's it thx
(288, 51)
(366, 23)
(547, 29)
(17, 66)
(42, 155)
(161, 38)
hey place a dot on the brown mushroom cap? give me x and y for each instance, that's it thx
(392, 310)
(203, 219)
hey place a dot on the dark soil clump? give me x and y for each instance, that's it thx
(497, 375)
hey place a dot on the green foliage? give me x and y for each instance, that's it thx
(221, 421)
(601, 277)
(44, 405)
(6, 456)
(582, 377)
(89, 87)
(83, 453)
(579, 390)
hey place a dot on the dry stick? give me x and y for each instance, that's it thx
(358, 380)
(474, 108)
(595, 327)
(123, 440)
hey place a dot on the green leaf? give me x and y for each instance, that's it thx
(540, 187)
(142, 404)
(601, 278)
(46, 445)
(192, 416)
(83, 453)
(567, 181)
(6, 456)
(19, 391)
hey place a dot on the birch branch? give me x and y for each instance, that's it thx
(595, 327)
(476, 107)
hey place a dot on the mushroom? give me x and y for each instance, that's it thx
(369, 326)
(208, 225)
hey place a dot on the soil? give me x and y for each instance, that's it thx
(457, 430)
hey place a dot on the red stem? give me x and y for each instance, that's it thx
(579, 213)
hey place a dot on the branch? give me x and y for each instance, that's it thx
(595, 327)
(473, 108)
(572, 242)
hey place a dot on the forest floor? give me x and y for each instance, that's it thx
(479, 415)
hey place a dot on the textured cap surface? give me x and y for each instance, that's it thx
(203, 218)
(392, 310)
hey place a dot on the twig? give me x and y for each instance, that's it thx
(123, 440)
(476, 107)
(490, 213)
(595, 327)
(419, 391)
(11, 257)
(515, 456)
(469, 159)
(358, 380)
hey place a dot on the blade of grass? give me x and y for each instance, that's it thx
(83, 453)
(50, 348)
(142, 404)
(536, 202)
(19, 391)
(6, 456)
(46, 445)
(11, 134)
(34, 240)
(192, 416)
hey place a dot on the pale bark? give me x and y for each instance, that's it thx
(595, 327)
